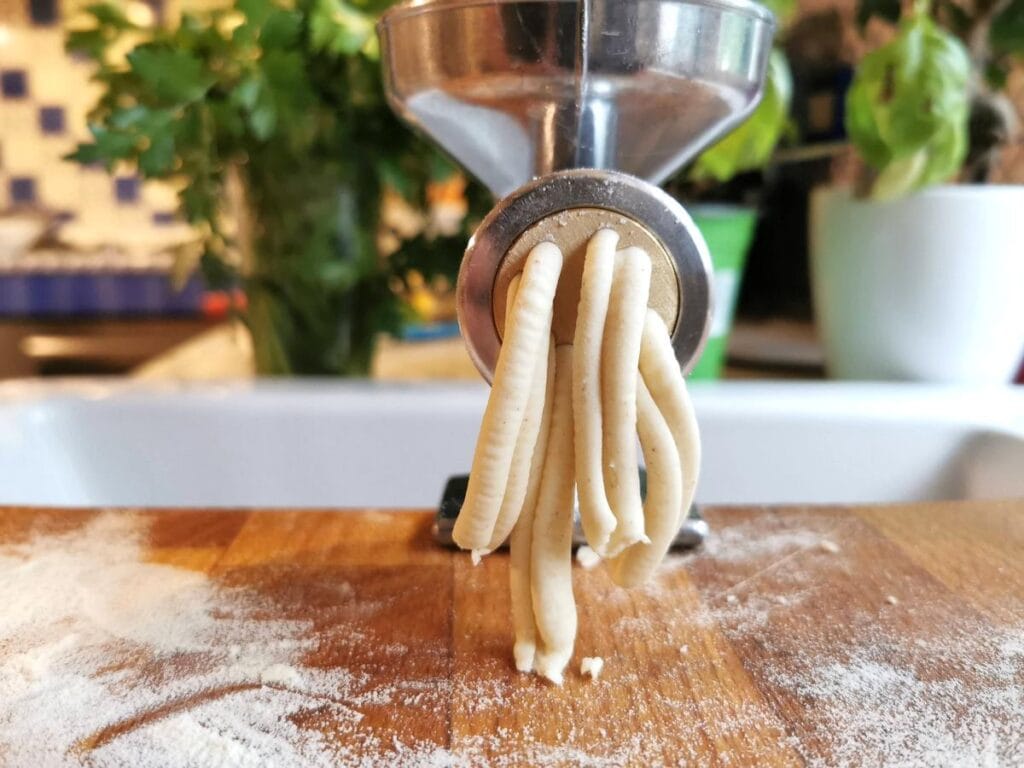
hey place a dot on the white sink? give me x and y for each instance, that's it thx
(330, 444)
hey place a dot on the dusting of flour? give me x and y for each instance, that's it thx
(109, 660)
(949, 694)
(91, 634)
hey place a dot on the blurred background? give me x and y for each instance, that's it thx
(198, 190)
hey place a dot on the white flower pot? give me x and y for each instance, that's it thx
(928, 288)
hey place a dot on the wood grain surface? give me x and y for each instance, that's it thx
(797, 636)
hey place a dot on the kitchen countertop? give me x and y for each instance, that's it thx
(776, 349)
(812, 635)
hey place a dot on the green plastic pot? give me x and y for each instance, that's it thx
(728, 231)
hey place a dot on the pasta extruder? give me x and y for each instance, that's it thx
(572, 112)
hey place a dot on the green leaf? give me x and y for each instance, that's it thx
(750, 146)
(229, 121)
(783, 10)
(158, 158)
(111, 144)
(140, 126)
(281, 29)
(285, 79)
(252, 97)
(338, 274)
(338, 27)
(128, 117)
(198, 202)
(174, 76)
(901, 176)
(109, 15)
(87, 154)
(256, 12)
(247, 93)
(1006, 35)
(908, 107)
(108, 25)
(373, 7)
(87, 42)
(286, 101)
(263, 121)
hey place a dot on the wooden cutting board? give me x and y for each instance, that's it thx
(820, 636)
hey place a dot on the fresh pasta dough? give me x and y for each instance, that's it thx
(525, 337)
(565, 417)
(595, 289)
(620, 361)
(554, 607)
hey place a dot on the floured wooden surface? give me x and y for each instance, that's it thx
(825, 637)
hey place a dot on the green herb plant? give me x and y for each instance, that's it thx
(285, 97)
(927, 106)
(751, 145)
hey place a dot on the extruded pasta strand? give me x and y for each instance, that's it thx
(664, 379)
(598, 270)
(506, 404)
(664, 494)
(521, 541)
(528, 455)
(554, 606)
(620, 354)
(558, 415)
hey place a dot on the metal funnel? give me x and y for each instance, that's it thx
(515, 89)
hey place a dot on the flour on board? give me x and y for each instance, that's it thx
(110, 660)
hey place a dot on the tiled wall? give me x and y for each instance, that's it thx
(44, 97)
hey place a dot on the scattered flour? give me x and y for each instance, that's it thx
(743, 543)
(109, 660)
(104, 650)
(950, 697)
(925, 713)
(592, 666)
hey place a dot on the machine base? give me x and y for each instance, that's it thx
(692, 533)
